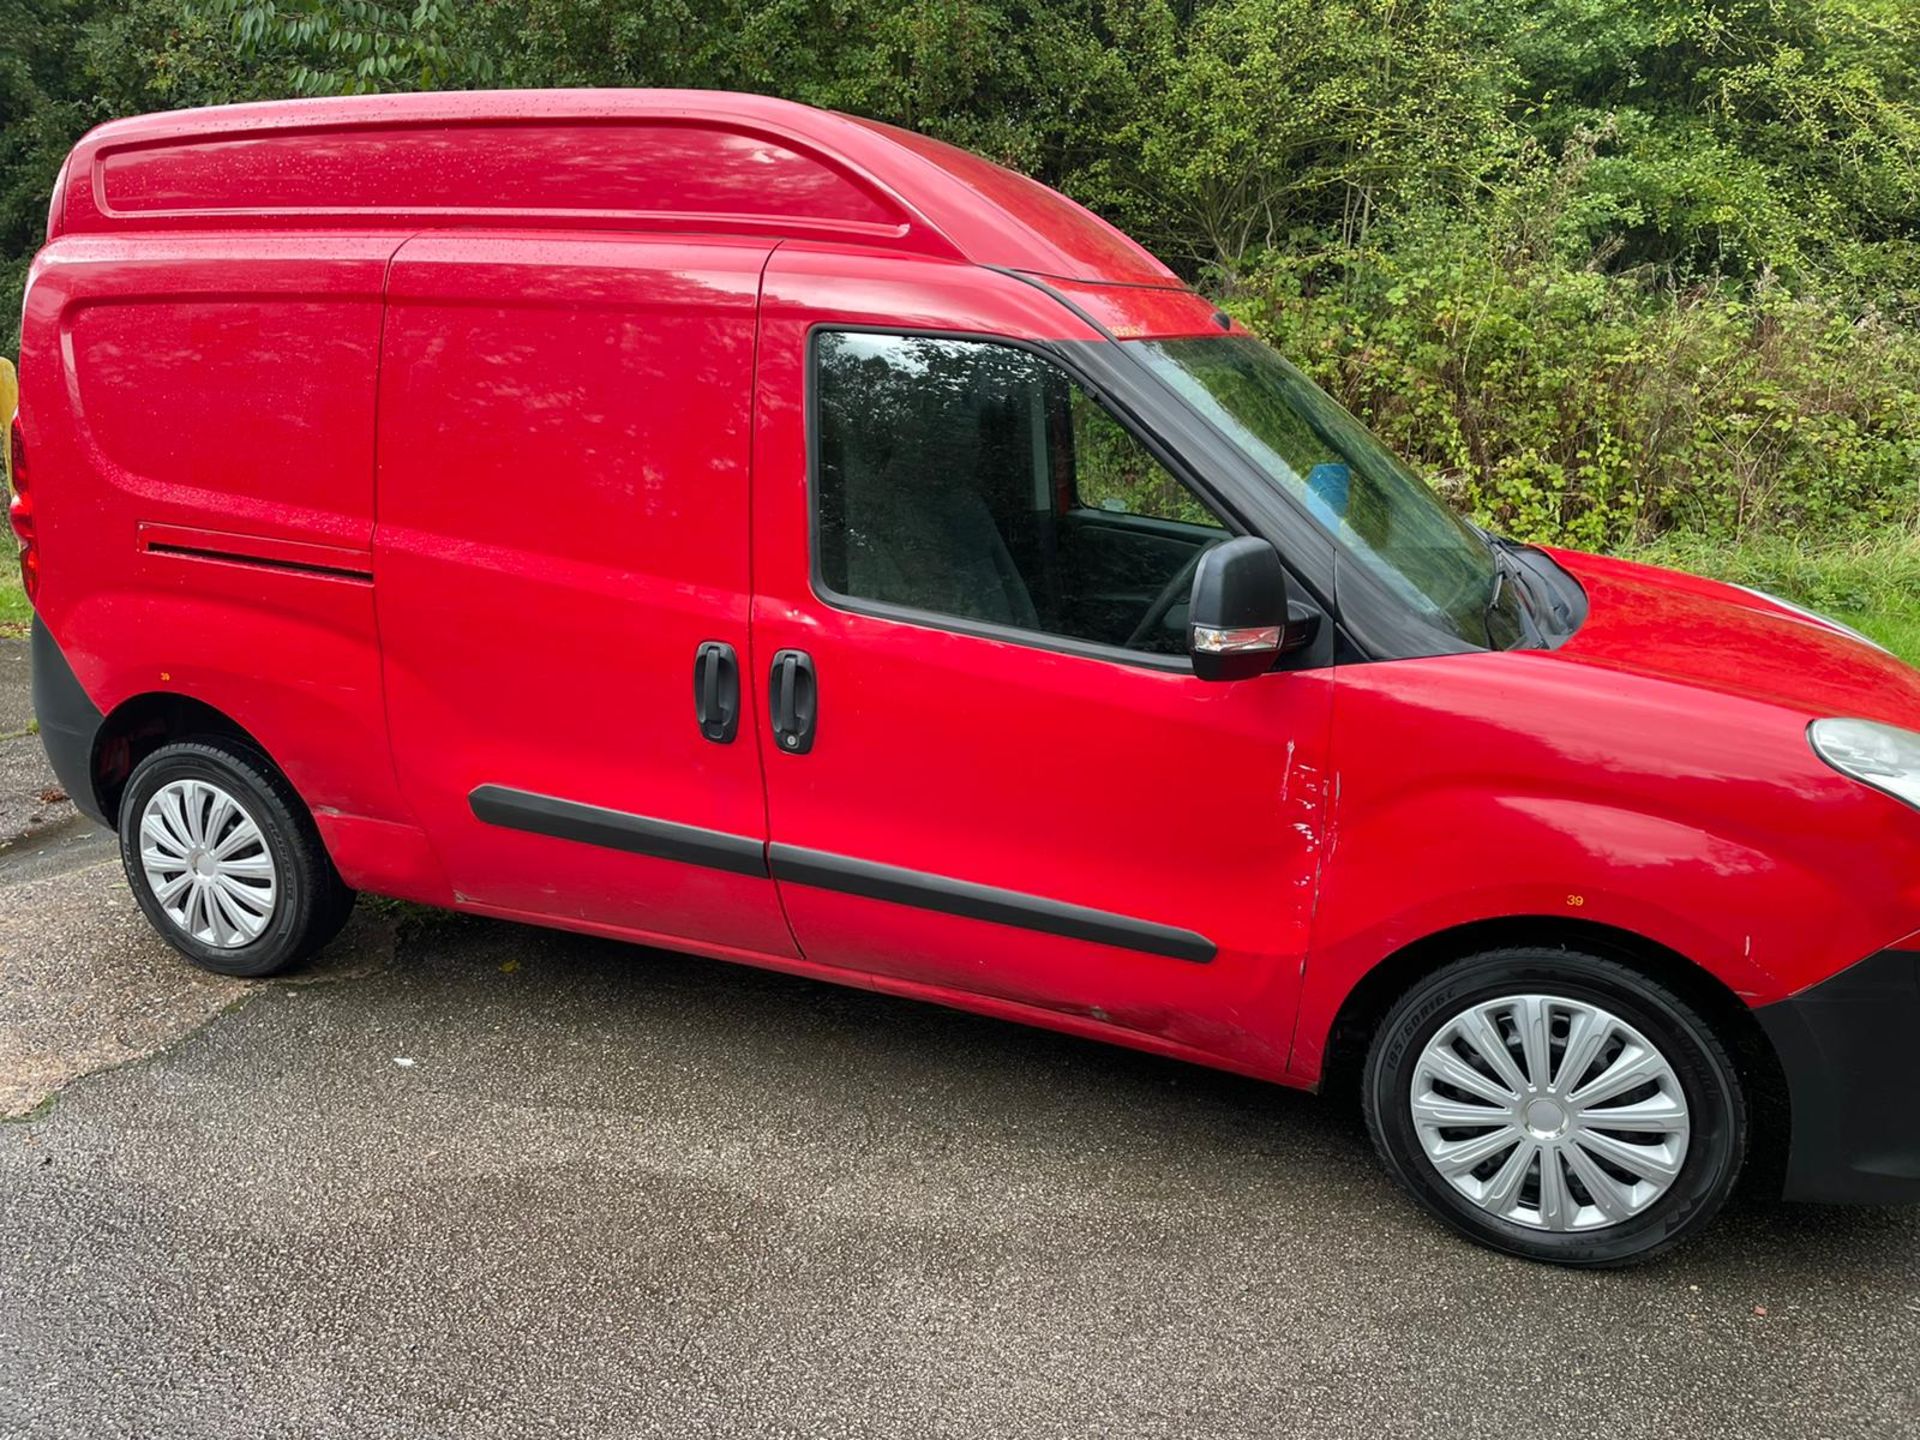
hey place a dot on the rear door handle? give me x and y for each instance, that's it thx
(794, 698)
(716, 691)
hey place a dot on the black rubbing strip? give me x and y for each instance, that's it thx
(718, 850)
(617, 830)
(983, 902)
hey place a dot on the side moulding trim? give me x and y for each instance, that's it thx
(875, 881)
(740, 855)
(618, 830)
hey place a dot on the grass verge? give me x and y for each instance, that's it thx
(14, 609)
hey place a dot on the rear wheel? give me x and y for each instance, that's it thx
(225, 861)
(1557, 1106)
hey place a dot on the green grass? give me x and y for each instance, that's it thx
(1871, 584)
(14, 609)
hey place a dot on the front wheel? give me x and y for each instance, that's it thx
(1556, 1106)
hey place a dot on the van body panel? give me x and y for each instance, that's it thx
(564, 446)
(1140, 312)
(603, 168)
(1682, 811)
(1696, 819)
(1038, 776)
(138, 337)
(287, 326)
(681, 160)
(997, 217)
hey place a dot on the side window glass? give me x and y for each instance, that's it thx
(1116, 474)
(977, 480)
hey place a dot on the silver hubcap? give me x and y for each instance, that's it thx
(207, 864)
(1550, 1113)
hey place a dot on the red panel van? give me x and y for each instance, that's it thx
(715, 523)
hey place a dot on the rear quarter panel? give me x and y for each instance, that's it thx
(221, 385)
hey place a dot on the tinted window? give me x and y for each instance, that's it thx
(979, 481)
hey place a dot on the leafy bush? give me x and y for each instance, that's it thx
(1610, 269)
(1564, 402)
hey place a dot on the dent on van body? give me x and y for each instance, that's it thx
(1551, 799)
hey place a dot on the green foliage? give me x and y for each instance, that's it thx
(14, 610)
(1609, 270)
(356, 47)
(1748, 134)
(1562, 401)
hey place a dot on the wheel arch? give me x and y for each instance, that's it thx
(140, 725)
(1367, 1003)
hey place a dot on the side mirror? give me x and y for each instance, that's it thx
(1239, 620)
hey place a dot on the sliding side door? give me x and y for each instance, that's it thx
(562, 538)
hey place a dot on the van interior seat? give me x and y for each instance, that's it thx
(914, 540)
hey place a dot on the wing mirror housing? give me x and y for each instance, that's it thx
(1241, 619)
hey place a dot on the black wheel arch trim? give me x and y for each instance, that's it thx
(742, 855)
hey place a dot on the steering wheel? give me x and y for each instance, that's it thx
(1180, 586)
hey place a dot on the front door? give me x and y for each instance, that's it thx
(990, 768)
(564, 431)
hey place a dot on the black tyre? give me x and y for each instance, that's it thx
(225, 861)
(1556, 1106)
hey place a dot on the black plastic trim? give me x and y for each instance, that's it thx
(260, 562)
(793, 701)
(740, 855)
(716, 691)
(1850, 1049)
(875, 881)
(618, 830)
(69, 722)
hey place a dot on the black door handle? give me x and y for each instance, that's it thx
(716, 691)
(794, 698)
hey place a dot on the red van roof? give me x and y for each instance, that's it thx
(685, 160)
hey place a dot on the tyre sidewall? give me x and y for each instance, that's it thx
(1716, 1144)
(277, 945)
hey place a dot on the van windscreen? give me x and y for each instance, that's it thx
(1378, 511)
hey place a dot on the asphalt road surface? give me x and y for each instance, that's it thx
(468, 1179)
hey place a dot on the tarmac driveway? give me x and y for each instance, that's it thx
(465, 1178)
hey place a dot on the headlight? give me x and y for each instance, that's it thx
(1878, 755)
(1815, 616)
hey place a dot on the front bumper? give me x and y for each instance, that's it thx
(1850, 1047)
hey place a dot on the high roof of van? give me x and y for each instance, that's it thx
(675, 160)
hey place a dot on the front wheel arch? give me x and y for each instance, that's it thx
(1367, 1004)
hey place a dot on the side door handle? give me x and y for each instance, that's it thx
(716, 691)
(794, 697)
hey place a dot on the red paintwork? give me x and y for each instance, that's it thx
(995, 763)
(1131, 312)
(472, 447)
(1653, 774)
(589, 401)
